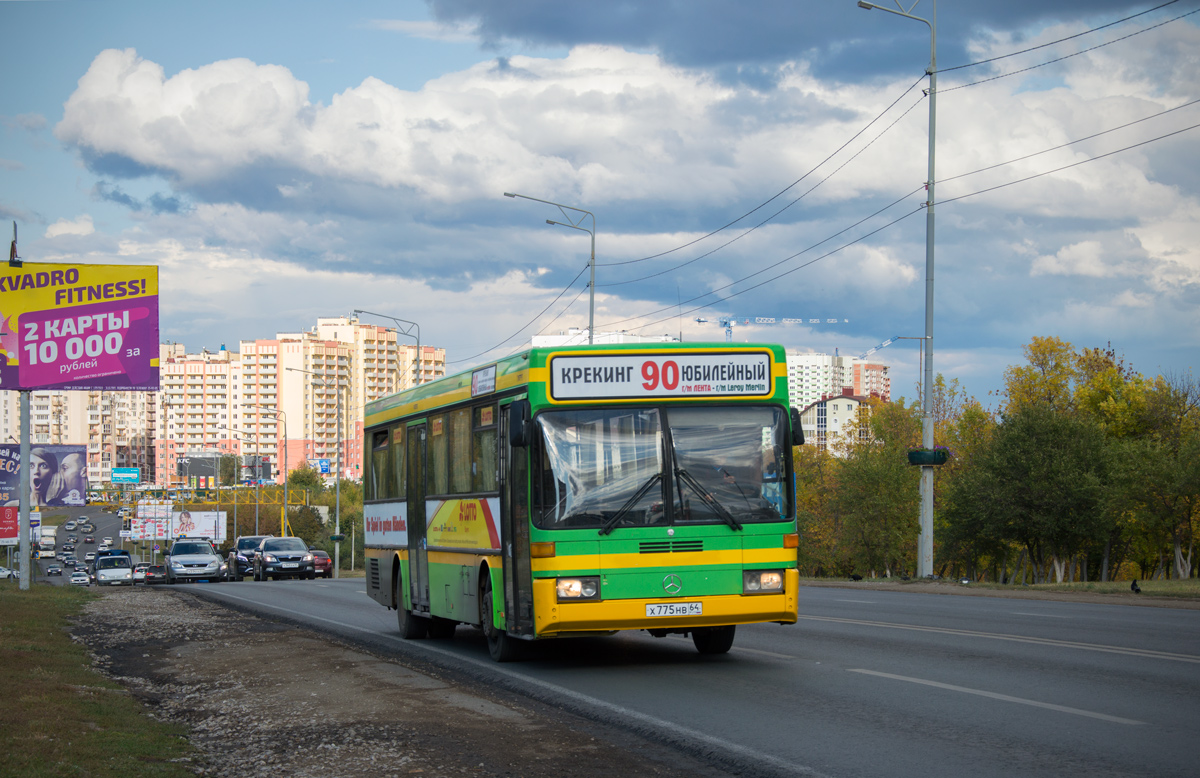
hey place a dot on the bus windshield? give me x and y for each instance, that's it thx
(612, 467)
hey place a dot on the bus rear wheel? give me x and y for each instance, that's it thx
(501, 647)
(714, 640)
(411, 627)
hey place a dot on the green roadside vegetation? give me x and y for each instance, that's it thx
(59, 717)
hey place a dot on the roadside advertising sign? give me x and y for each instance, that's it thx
(10, 525)
(79, 327)
(206, 524)
(126, 475)
(58, 475)
(152, 521)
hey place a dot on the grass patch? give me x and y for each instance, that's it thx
(1185, 589)
(59, 718)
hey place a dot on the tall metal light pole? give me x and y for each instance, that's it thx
(401, 330)
(337, 480)
(278, 415)
(574, 224)
(925, 539)
(257, 474)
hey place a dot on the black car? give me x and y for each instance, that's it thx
(54, 570)
(156, 574)
(283, 558)
(241, 556)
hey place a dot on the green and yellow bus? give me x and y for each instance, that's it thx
(584, 490)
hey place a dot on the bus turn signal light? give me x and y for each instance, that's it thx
(791, 540)
(541, 550)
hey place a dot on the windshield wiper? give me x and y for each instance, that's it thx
(628, 506)
(708, 499)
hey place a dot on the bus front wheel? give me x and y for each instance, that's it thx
(714, 640)
(411, 627)
(501, 647)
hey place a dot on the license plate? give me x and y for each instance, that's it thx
(675, 609)
(287, 565)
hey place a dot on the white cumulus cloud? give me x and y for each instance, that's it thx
(80, 226)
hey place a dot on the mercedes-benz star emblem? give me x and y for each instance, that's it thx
(672, 584)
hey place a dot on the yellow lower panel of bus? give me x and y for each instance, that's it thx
(552, 617)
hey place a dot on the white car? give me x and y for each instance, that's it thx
(114, 571)
(89, 556)
(70, 525)
(80, 579)
(106, 541)
(139, 572)
(5, 573)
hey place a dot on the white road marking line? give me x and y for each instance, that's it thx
(864, 602)
(1042, 615)
(1003, 697)
(746, 650)
(1016, 639)
(619, 711)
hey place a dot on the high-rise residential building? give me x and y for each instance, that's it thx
(824, 420)
(812, 377)
(194, 408)
(246, 403)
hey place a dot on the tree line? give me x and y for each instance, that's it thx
(1086, 471)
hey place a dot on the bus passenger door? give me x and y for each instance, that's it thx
(514, 532)
(418, 555)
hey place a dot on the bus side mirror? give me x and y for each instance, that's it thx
(518, 424)
(797, 430)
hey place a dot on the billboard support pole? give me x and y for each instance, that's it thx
(24, 557)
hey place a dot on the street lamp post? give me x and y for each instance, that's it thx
(574, 224)
(337, 480)
(925, 539)
(278, 415)
(257, 474)
(402, 331)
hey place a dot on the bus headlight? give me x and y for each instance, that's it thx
(579, 588)
(762, 581)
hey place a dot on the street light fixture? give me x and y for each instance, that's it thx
(925, 539)
(278, 415)
(574, 224)
(402, 331)
(337, 480)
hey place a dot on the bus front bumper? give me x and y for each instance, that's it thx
(561, 618)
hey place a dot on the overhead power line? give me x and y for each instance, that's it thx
(1063, 40)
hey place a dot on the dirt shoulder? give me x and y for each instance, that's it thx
(267, 699)
(1014, 592)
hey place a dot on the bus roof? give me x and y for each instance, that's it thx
(531, 367)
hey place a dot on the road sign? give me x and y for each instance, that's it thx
(35, 520)
(126, 475)
(126, 533)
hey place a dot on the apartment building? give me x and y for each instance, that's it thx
(826, 419)
(194, 408)
(812, 377)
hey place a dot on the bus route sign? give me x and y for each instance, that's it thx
(643, 376)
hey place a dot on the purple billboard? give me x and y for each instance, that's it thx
(57, 475)
(79, 327)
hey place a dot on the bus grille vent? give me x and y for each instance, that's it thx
(669, 546)
(373, 574)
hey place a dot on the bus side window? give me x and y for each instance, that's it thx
(437, 453)
(377, 475)
(484, 455)
(460, 451)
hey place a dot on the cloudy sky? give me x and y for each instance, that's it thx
(281, 161)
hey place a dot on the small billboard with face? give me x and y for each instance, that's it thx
(57, 475)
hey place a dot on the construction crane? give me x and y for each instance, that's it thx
(884, 344)
(728, 322)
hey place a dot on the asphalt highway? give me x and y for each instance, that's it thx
(866, 683)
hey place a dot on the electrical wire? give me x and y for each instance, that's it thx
(527, 324)
(781, 210)
(1068, 56)
(1069, 143)
(1060, 40)
(776, 195)
(1067, 167)
(876, 231)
